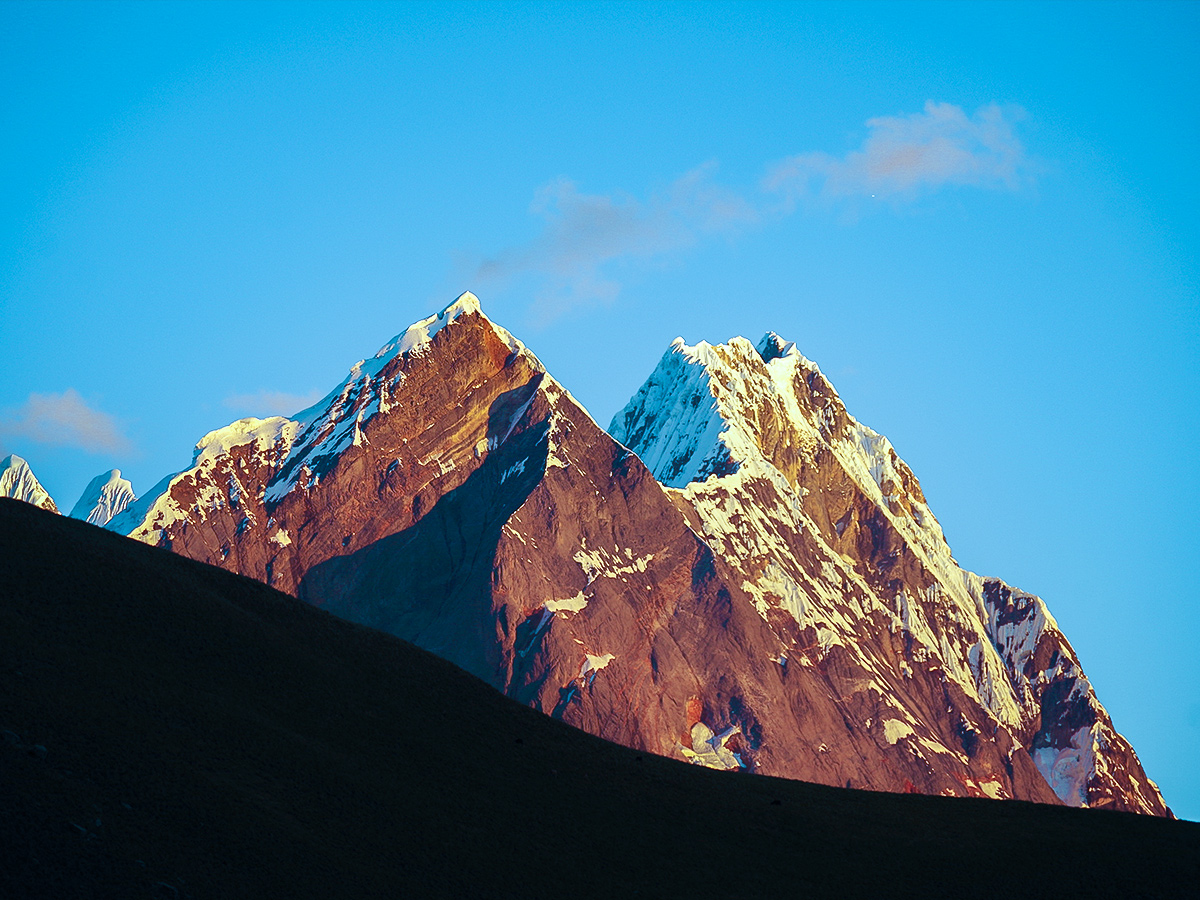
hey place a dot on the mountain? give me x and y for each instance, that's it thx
(168, 729)
(18, 481)
(105, 496)
(831, 536)
(745, 577)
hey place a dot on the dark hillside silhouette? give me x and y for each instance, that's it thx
(174, 730)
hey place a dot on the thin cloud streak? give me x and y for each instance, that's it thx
(586, 233)
(65, 420)
(904, 155)
(271, 403)
(587, 239)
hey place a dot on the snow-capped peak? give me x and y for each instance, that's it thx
(702, 411)
(466, 302)
(334, 423)
(712, 409)
(300, 448)
(736, 407)
(105, 496)
(413, 341)
(418, 336)
(18, 481)
(673, 422)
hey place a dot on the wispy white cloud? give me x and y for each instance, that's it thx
(586, 235)
(589, 241)
(271, 403)
(64, 420)
(905, 155)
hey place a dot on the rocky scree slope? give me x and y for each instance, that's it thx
(774, 600)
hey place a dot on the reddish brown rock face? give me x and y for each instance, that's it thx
(788, 606)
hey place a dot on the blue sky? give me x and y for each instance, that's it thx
(980, 220)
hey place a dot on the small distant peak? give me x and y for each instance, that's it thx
(772, 346)
(18, 481)
(12, 461)
(106, 496)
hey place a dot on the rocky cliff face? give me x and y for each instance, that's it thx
(18, 481)
(745, 578)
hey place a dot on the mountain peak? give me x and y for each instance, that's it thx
(323, 431)
(701, 412)
(105, 496)
(736, 352)
(466, 302)
(295, 452)
(419, 335)
(18, 481)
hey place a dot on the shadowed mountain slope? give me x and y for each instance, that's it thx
(174, 730)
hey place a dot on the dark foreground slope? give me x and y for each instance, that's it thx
(174, 730)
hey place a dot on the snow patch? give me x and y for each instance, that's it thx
(610, 563)
(570, 604)
(993, 789)
(709, 749)
(1069, 770)
(515, 469)
(592, 663)
(894, 730)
